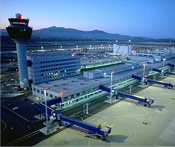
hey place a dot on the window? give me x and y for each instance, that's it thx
(78, 94)
(51, 95)
(42, 92)
(47, 94)
(38, 91)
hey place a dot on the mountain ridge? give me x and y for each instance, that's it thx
(54, 32)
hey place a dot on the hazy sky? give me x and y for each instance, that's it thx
(149, 18)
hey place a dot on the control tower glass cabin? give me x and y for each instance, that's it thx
(20, 32)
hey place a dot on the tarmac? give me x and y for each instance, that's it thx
(132, 124)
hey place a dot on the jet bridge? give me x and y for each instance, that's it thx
(57, 116)
(141, 100)
(54, 101)
(146, 81)
(171, 65)
(170, 73)
(163, 72)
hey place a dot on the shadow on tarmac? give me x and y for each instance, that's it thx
(117, 138)
(157, 107)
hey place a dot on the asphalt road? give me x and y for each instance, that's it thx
(20, 122)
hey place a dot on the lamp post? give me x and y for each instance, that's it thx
(45, 89)
(111, 92)
(61, 93)
(111, 79)
(144, 65)
(164, 62)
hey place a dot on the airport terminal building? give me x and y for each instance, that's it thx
(43, 67)
(74, 89)
(51, 69)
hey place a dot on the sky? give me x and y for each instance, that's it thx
(148, 18)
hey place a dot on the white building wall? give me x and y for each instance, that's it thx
(51, 67)
(122, 50)
(114, 48)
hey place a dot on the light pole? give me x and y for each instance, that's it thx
(111, 79)
(45, 89)
(111, 87)
(144, 65)
(164, 62)
(61, 93)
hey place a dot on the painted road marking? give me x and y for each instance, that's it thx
(104, 123)
(92, 119)
(112, 125)
(100, 122)
(97, 121)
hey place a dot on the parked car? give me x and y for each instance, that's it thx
(10, 105)
(15, 108)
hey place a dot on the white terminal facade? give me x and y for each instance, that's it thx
(76, 88)
(44, 67)
(121, 49)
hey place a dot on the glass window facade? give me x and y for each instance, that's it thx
(46, 68)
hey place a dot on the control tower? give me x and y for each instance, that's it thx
(20, 32)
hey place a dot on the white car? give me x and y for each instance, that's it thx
(15, 108)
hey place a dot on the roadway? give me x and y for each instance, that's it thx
(19, 122)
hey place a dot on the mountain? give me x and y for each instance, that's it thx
(61, 33)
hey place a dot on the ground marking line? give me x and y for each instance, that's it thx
(100, 122)
(19, 115)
